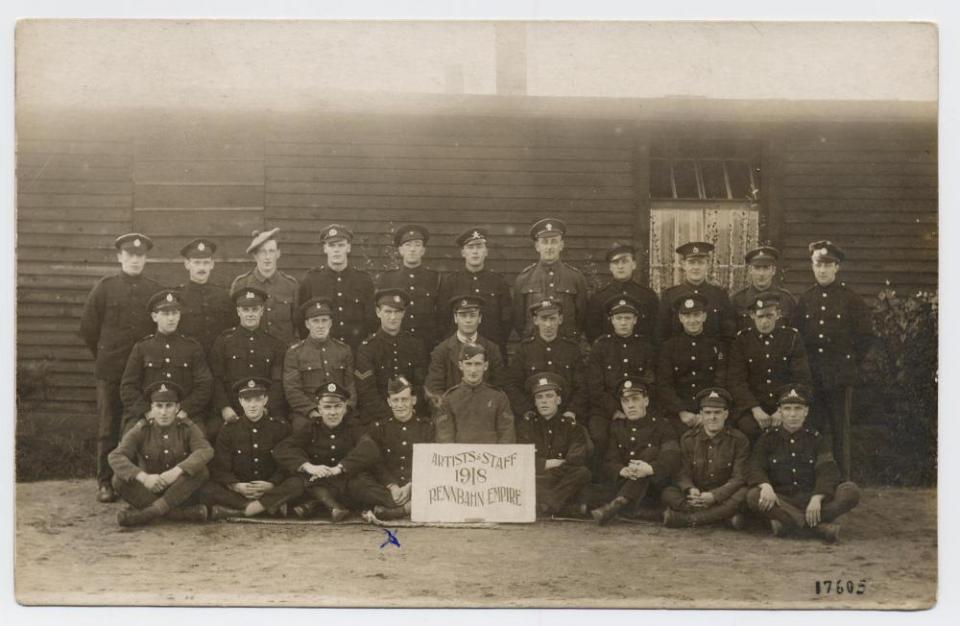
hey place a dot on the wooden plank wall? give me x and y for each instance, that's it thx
(870, 189)
(448, 174)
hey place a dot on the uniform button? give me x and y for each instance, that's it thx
(404, 443)
(255, 446)
(339, 293)
(169, 375)
(333, 436)
(820, 335)
(166, 436)
(820, 349)
(693, 358)
(256, 459)
(254, 430)
(823, 308)
(166, 452)
(167, 359)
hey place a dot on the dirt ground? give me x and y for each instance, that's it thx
(69, 550)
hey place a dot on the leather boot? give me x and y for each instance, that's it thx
(389, 512)
(192, 513)
(338, 512)
(737, 522)
(675, 519)
(106, 493)
(608, 511)
(828, 532)
(219, 513)
(305, 510)
(573, 510)
(137, 517)
(779, 530)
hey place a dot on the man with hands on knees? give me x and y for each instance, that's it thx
(387, 451)
(161, 462)
(642, 455)
(316, 452)
(711, 484)
(793, 477)
(243, 474)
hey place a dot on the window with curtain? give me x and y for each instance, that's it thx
(703, 190)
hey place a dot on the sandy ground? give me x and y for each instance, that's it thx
(69, 550)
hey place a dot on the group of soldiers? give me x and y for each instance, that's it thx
(287, 397)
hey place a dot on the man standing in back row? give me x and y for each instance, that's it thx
(550, 279)
(349, 290)
(280, 317)
(114, 318)
(207, 308)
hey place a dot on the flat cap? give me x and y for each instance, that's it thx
(826, 251)
(623, 303)
(165, 299)
(764, 255)
(331, 389)
(548, 227)
(411, 232)
(544, 381)
(248, 296)
(472, 235)
(764, 300)
(466, 302)
(794, 393)
(316, 306)
(198, 249)
(133, 242)
(254, 386)
(336, 232)
(545, 307)
(693, 249)
(632, 385)
(716, 397)
(618, 249)
(163, 391)
(391, 297)
(470, 350)
(690, 303)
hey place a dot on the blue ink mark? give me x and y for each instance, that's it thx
(391, 539)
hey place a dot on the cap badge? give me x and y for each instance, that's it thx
(759, 304)
(549, 226)
(249, 294)
(251, 384)
(201, 247)
(696, 250)
(333, 231)
(544, 381)
(714, 394)
(464, 303)
(403, 380)
(169, 297)
(821, 251)
(396, 298)
(793, 393)
(628, 384)
(331, 387)
(476, 234)
(623, 302)
(136, 242)
(163, 387)
(688, 304)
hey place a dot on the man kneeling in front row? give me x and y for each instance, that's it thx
(711, 484)
(244, 478)
(642, 455)
(161, 462)
(560, 448)
(794, 479)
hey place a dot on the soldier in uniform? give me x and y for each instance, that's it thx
(317, 360)
(316, 453)
(642, 455)
(615, 357)
(622, 261)
(161, 462)
(388, 353)
(561, 447)
(207, 308)
(387, 448)
(349, 290)
(474, 411)
(721, 319)
(419, 284)
(243, 473)
(547, 351)
(496, 316)
(444, 370)
(550, 278)
(166, 356)
(793, 477)
(247, 351)
(712, 482)
(837, 330)
(114, 318)
(689, 362)
(762, 360)
(282, 307)
(761, 270)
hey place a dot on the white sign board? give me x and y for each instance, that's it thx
(463, 482)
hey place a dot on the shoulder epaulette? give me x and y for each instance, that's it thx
(287, 276)
(296, 345)
(575, 269)
(146, 337)
(741, 331)
(528, 268)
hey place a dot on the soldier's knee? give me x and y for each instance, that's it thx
(753, 499)
(850, 492)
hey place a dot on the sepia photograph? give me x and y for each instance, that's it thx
(488, 314)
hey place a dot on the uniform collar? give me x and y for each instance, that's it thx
(470, 340)
(129, 278)
(381, 333)
(263, 279)
(702, 434)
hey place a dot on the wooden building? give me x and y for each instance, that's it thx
(652, 171)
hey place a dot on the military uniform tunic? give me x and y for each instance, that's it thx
(648, 439)
(836, 327)
(557, 438)
(390, 443)
(312, 441)
(799, 462)
(241, 353)
(443, 372)
(598, 322)
(421, 286)
(686, 365)
(551, 281)
(760, 364)
(281, 312)
(718, 464)
(612, 359)
(721, 318)
(746, 297)
(351, 297)
(154, 449)
(561, 356)
(496, 322)
(382, 357)
(242, 453)
(171, 358)
(114, 318)
(207, 311)
(475, 414)
(312, 362)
